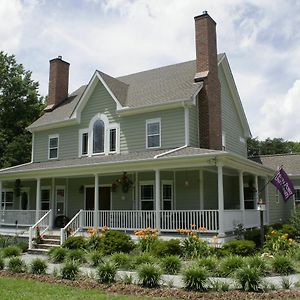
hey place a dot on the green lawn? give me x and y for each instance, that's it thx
(17, 288)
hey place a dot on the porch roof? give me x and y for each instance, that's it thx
(157, 159)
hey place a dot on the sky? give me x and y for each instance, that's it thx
(260, 38)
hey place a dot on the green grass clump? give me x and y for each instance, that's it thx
(1, 263)
(195, 278)
(122, 260)
(149, 275)
(11, 251)
(69, 270)
(95, 258)
(257, 262)
(107, 272)
(76, 255)
(144, 258)
(282, 265)
(210, 263)
(171, 264)
(249, 278)
(38, 266)
(57, 254)
(230, 264)
(17, 265)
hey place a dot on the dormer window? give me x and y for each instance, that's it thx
(98, 137)
(53, 146)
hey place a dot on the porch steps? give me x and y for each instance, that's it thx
(49, 241)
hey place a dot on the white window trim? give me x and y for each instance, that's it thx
(167, 182)
(150, 121)
(107, 126)
(81, 132)
(223, 141)
(4, 198)
(53, 136)
(148, 182)
(296, 187)
(277, 196)
(117, 127)
(60, 187)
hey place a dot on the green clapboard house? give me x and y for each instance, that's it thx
(163, 148)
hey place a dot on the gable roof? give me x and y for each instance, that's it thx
(290, 162)
(169, 85)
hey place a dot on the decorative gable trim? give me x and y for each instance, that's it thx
(87, 93)
(224, 64)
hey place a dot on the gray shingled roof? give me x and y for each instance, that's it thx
(290, 162)
(99, 160)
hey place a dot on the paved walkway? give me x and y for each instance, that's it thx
(169, 280)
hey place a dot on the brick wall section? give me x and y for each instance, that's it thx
(210, 124)
(58, 81)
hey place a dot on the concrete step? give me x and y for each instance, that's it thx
(51, 241)
(50, 236)
(38, 251)
(46, 246)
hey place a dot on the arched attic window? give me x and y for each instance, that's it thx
(98, 136)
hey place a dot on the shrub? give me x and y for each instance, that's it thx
(149, 275)
(1, 263)
(96, 258)
(94, 242)
(165, 248)
(4, 241)
(282, 265)
(230, 264)
(147, 238)
(57, 254)
(257, 262)
(171, 264)
(295, 220)
(38, 266)
(122, 260)
(249, 278)
(76, 255)
(210, 263)
(195, 278)
(278, 242)
(22, 245)
(240, 247)
(75, 242)
(144, 258)
(116, 241)
(16, 265)
(194, 247)
(11, 251)
(107, 272)
(290, 230)
(69, 270)
(253, 235)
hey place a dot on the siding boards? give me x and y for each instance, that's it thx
(194, 126)
(231, 123)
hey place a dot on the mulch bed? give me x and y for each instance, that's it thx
(135, 290)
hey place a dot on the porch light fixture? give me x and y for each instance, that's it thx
(186, 183)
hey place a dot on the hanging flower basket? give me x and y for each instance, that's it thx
(125, 182)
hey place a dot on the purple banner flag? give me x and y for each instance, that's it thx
(283, 184)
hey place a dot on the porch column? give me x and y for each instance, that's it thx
(38, 199)
(157, 199)
(242, 197)
(221, 199)
(96, 204)
(201, 189)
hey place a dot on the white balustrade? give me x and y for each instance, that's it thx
(19, 217)
(72, 227)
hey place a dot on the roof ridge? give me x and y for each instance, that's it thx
(277, 154)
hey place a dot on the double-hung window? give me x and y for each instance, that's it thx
(45, 198)
(113, 140)
(297, 196)
(7, 199)
(153, 133)
(147, 195)
(83, 142)
(167, 195)
(53, 146)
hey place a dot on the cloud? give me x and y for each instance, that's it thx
(260, 38)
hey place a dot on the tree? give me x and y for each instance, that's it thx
(271, 146)
(20, 105)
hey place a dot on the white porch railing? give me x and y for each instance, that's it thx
(43, 224)
(171, 220)
(72, 227)
(12, 217)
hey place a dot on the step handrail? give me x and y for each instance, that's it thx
(34, 226)
(76, 221)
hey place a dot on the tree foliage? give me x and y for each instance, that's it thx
(20, 105)
(271, 146)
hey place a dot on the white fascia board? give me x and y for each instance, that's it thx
(235, 95)
(126, 111)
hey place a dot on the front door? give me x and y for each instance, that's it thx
(104, 198)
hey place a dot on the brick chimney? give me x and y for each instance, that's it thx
(58, 82)
(210, 124)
